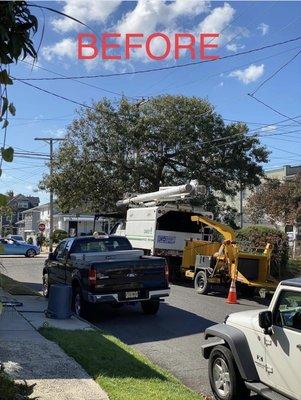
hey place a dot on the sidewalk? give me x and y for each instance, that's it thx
(27, 355)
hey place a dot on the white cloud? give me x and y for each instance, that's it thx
(218, 19)
(148, 14)
(269, 128)
(85, 11)
(64, 48)
(235, 47)
(263, 28)
(248, 75)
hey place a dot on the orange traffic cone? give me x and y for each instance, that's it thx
(232, 296)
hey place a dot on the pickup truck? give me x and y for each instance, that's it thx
(259, 351)
(106, 269)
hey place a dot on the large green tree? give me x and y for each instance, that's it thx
(277, 201)
(136, 147)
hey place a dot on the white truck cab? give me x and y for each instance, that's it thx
(259, 351)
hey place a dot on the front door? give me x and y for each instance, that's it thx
(283, 347)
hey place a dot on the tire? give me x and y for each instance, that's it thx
(79, 305)
(201, 284)
(30, 253)
(225, 380)
(150, 307)
(46, 285)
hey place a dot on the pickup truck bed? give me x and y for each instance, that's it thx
(116, 274)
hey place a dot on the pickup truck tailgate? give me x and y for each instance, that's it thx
(142, 274)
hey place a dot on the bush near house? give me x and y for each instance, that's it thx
(58, 235)
(256, 237)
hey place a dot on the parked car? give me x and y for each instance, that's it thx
(11, 247)
(18, 238)
(106, 269)
(259, 351)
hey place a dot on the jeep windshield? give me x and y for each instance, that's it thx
(99, 245)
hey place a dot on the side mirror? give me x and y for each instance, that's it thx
(51, 256)
(266, 321)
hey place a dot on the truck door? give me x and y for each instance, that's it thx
(283, 347)
(58, 264)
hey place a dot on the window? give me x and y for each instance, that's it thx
(59, 251)
(95, 245)
(288, 310)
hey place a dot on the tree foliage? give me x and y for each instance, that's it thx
(254, 238)
(110, 150)
(17, 25)
(277, 201)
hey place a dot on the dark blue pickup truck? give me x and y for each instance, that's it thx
(106, 269)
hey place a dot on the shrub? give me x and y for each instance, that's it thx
(256, 237)
(30, 240)
(58, 235)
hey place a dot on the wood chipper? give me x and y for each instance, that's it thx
(210, 263)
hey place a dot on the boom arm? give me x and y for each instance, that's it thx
(225, 230)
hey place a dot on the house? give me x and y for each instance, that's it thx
(18, 204)
(75, 224)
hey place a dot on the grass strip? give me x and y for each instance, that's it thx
(16, 288)
(120, 370)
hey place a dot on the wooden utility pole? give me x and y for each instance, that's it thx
(50, 141)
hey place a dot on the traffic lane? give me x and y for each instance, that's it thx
(173, 337)
(25, 270)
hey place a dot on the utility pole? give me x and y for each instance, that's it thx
(50, 141)
(241, 206)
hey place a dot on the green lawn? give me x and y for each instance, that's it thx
(121, 371)
(14, 287)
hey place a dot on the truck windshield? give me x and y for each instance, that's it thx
(96, 245)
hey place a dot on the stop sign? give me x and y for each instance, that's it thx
(42, 227)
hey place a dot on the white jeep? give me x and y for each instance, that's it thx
(259, 351)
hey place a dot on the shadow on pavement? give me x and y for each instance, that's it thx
(132, 327)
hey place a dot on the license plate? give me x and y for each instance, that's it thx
(131, 295)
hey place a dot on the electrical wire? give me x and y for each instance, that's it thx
(273, 109)
(276, 72)
(143, 71)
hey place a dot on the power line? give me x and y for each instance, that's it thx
(273, 109)
(55, 94)
(276, 72)
(143, 71)
(82, 83)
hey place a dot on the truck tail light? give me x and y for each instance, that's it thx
(166, 272)
(92, 277)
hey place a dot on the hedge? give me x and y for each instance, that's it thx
(58, 235)
(256, 237)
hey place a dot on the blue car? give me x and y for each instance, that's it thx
(11, 247)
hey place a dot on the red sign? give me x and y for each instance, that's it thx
(42, 227)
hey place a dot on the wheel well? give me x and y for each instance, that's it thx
(75, 284)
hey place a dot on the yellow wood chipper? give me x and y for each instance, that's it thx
(215, 263)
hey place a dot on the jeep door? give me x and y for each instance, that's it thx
(283, 347)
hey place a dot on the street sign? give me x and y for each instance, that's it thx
(42, 227)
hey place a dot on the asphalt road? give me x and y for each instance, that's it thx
(171, 339)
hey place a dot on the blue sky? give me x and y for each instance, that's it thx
(225, 83)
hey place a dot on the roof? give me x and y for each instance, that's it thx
(295, 282)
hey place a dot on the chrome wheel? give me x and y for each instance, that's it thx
(30, 253)
(221, 377)
(45, 286)
(77, 304)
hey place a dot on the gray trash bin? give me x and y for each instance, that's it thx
(59, 304)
